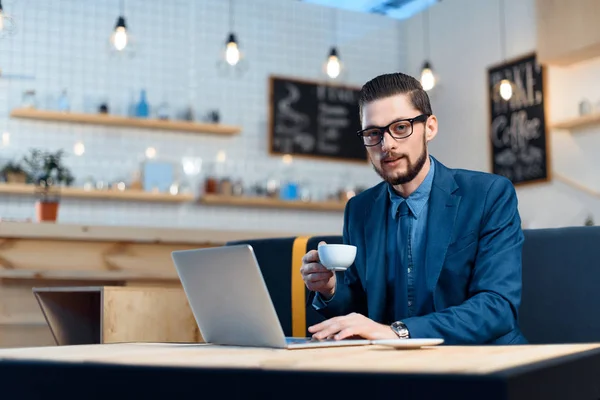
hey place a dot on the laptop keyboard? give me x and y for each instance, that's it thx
(306, 340)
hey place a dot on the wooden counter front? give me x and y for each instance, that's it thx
(51, 254)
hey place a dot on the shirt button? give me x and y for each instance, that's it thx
(410, 303)
(409, 270)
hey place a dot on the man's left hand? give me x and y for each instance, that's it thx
(351, 325)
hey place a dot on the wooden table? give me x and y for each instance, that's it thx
(144, 370)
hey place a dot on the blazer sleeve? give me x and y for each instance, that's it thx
(495, 289)
(349, 293)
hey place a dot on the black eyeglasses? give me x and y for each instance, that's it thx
(398, 129)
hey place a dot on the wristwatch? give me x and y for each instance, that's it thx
(400, 329)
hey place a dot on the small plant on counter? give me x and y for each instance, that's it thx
(48, 174)
(13, 172)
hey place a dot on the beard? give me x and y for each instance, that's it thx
(411, 172)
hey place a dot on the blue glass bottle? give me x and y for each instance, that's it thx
(142, 110)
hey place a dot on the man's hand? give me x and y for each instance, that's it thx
(316, 277)
(351, 325)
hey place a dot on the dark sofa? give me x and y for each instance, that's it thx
(561, 282)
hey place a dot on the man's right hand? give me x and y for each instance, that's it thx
(316, 277)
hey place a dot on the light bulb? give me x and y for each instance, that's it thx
(5, 139)
(79, 149)
(150, 152)
(191, 166)
(1, 20)
(232, 53)
(221, 156)
(427, 79)
(505, 89)
(120, 38)
(287, 159)
(333, 67)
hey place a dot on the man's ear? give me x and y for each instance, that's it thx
(431, 128)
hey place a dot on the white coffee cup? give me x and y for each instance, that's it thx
(336, 257)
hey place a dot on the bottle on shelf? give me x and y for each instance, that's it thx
(63, 102)
(289, 186)
(142, 109)
(211, 184)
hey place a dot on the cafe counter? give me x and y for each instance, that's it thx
(59, 255)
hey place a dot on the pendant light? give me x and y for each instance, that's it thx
(232, 51)
(232, 58)
(427, 77)
(7, 23)
(120, 37)
(333, 65)
(505, 86)
(1, 17)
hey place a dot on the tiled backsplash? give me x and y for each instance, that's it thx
(64, 45)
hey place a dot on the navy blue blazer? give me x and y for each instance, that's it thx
(473, 259)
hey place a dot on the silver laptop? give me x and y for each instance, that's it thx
(230, 301)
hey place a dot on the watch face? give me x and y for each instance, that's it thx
(400, 329)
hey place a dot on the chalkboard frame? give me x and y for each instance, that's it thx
(271, 119)
(489, 106)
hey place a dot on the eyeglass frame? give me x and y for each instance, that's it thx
(384, 129)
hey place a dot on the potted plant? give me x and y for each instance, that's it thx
(48, 174)
(13, 172)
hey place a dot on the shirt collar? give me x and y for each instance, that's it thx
(417, 200)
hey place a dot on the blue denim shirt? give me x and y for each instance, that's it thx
(414, 298)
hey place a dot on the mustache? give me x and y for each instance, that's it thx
(391, 157)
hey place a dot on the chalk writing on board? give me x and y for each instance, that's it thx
(314, 119)
(518, 129)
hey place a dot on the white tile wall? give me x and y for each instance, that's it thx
(64, 43)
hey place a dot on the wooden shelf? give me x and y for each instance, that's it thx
(262, 202)
(209, 199)
(115, 120)
(127, 195)
(578, 122)
(21, 274)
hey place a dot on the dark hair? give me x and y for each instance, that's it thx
(392, 84)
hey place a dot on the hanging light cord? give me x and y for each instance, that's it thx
(426, 33)
(231, 15)
(502, 31)
(335, 31)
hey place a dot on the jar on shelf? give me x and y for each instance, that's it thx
(226, 187)
(28, 100)
(238, 188)
(211, 183)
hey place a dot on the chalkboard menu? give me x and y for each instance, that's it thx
(519, 147)
(314, 119)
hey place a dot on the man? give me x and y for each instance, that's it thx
(438, 249)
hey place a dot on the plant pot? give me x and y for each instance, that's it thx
(46, 210)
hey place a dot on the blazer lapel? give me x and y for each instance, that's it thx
(443, 208)
(375, 240)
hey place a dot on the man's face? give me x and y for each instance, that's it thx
(397, 161)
